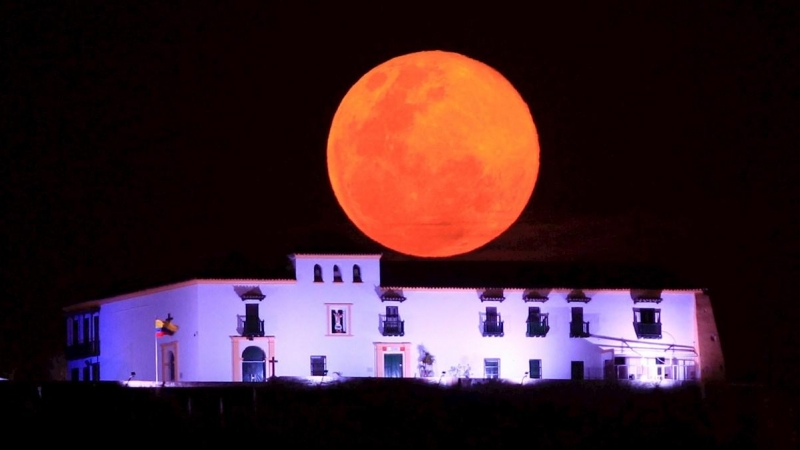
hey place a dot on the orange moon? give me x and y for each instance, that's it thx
(433, 154)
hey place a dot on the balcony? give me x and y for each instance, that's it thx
(538, 329)
(392, 326)
(647, 330)
(493, 327)
(82, 350)
(250, 326)
(579, 329)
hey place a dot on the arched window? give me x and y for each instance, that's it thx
(317, 273)
(337, 275)
(254, 364)
(356, 274)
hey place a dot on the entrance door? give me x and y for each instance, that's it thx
(577, 370)
(254, 365)
(393, 365)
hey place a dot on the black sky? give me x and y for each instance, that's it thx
(149, 143)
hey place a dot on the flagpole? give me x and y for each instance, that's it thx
(155, 353)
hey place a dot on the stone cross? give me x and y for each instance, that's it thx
(272, 362)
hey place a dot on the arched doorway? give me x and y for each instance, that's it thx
(170, 375)
(170, 362)
(254, 364)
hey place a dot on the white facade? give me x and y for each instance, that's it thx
(112, 338)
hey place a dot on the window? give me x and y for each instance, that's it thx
(578, 328)
(491, 368)
(392, 325)
(86, 330)
(492, 324)
(95, 371)
(577, 372)
(537, 323)
(74, 374)
(319, 366)
(621, 368)
(253, 326)
(337, 275)
(83, 335)
(86, 373)
(317, 273)
(535, 368)
(338, 319)
(356, 274)
(70, 332)
(647, 323)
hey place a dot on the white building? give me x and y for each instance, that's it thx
(335, 319)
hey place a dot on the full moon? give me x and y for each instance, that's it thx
(433, 154)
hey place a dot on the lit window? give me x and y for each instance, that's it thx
(491, 368)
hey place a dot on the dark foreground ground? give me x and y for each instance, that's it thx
(388, 414)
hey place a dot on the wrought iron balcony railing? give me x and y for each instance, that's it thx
(579, 329)
(250, 326)
(493, 327)
(82, 350)
(647, 330)
(537, 329)
(393, 327)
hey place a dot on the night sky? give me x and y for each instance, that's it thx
(153, 144)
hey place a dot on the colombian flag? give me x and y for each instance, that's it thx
(165, 327)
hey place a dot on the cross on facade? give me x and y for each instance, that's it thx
(272, 362)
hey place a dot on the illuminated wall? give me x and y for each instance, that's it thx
(300, 321)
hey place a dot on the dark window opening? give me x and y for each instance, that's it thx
(492, 325)
(86, 329)
(537, 323)
(392, 325)
(535, 368)
(356, 274)
(317, 273)
(578, 328)
(337, 275)
(253, 326)
(577, 370)
(319, 366)
(647, 323)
